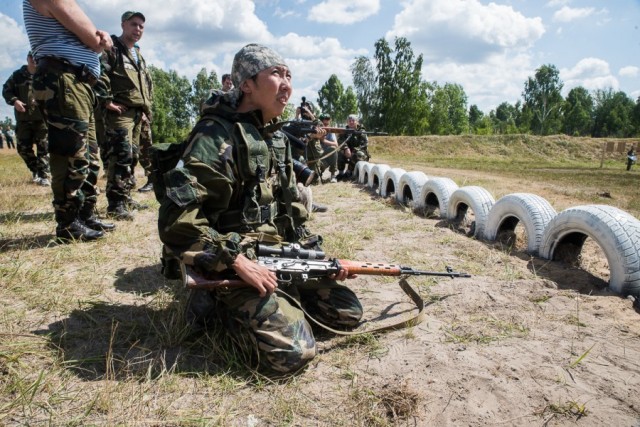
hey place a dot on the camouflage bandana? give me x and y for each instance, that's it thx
(252, 59)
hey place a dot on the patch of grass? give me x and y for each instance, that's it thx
(483, 330)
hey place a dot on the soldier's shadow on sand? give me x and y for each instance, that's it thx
(124, 342)
(26, 217)
(143, 280)
(27, 242)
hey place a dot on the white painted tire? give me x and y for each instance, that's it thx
(531, 211)
(409, 188)
(435, 194)
(390, 181)
(614, 230)
(363, 178)
(376, 176)
(479, 200)
(358, 170)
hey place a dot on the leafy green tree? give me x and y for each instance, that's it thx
(578, 112)
(448, 113)
(348, 105)
(612, 114)
(403, 95)
(392, 96)
(171, 114)
(635, 117)
(330, 96)
(542, 95)
(504, 119)
(475, 118)
(365, 85)
(201, 87)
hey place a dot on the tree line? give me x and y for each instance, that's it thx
(390, 94)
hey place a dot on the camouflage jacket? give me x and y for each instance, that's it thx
(126, 81)
(234, 182)
(355, 141)
(18, 87)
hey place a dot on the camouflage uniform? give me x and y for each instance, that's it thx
(235, 185)
(128, 82)
(68, 104)
(358, 144)
(30, 126)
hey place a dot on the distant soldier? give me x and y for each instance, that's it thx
(10, 136)
(30, 125)
(305, 110)
(631, 157)
(227, 83)
(354, 150)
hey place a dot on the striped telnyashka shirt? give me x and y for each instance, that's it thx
(48, 37)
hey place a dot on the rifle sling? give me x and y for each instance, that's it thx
(329, 154)
(413, 321)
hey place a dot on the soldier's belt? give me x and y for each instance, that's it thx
(236, 220)
(83, 74)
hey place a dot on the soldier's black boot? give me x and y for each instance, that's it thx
(88, 217)
(147, 187)
(76, 230)
(117, 209)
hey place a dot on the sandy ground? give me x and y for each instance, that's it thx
(522, 342)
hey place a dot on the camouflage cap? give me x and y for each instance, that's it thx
(252, 59)
(131, 14)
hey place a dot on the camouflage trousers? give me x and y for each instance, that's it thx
(121, 151)
(146, 141)
(67, 104)
(30, 133)
(357, 155)
(273, 331)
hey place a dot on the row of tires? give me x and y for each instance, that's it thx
(549, 235)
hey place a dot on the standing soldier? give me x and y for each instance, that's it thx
(66, 47)
(128, 82)
(30, 126)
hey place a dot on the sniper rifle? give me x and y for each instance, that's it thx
(293, 264)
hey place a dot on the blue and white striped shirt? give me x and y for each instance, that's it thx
(48, 37)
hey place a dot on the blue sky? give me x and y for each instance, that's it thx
(488, 47)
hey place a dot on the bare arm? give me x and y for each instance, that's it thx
(69, 14)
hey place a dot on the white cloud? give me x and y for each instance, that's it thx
(557, 3)
(590, 73)
(464, 30)
(14, 47)
(500, 79)
(629, 71)
(568, 14)
(343, 12)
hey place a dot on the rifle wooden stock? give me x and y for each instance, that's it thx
(370, 268)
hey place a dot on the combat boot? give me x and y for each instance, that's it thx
(77, 231)
(88, 217)
(147, 187)
(118, 210)
(133, 205)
